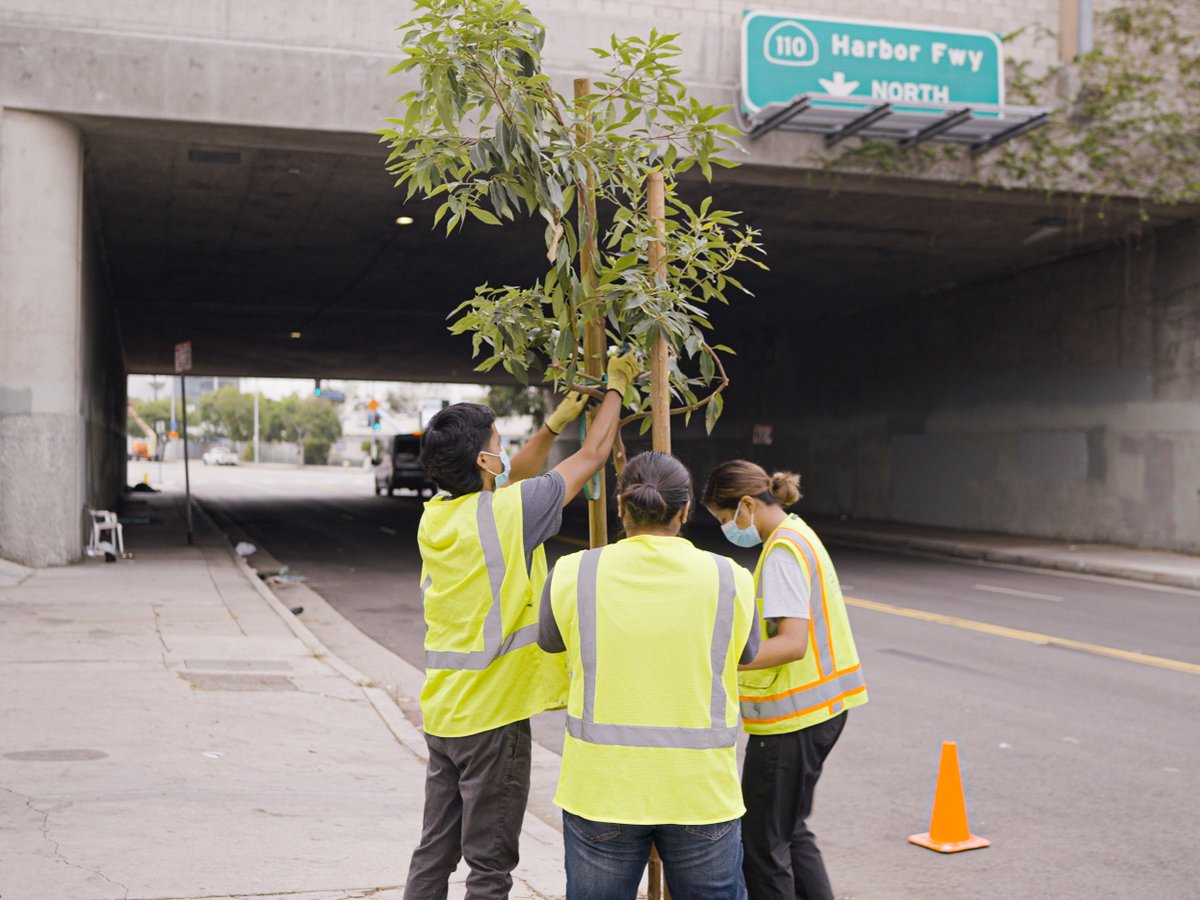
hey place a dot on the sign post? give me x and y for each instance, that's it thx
(183, 365)
(784, 55)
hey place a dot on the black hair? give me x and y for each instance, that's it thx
(451, 443)
(654, 487)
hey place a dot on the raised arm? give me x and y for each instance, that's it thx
(580, 466)
(529, 461)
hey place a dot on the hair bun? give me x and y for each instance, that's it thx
(785, 487)
(648, 499)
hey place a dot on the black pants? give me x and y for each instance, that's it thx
(476, 789)
(781, 858)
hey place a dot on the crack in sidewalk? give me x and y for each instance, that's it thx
(155, 608)
(57, 847)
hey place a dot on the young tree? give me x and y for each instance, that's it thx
(487, 133)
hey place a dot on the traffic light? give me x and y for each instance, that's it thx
(317, 387)
(373, 420)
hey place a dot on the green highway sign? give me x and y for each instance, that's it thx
(785, 54)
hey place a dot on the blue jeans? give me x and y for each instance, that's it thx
(605, 860)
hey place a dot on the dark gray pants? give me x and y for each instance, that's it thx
(780, 775)
(476, 789)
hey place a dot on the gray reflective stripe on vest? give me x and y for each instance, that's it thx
(816, 605)
(805, 700)
(495, 644)
(586, 728)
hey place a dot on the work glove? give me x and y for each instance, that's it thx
(566, 412)
(621, 372)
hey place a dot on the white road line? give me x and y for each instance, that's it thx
(1015, 593)
(387, 530)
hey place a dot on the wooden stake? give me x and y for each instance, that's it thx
(660, 383)
(660, 415)
(595, 351)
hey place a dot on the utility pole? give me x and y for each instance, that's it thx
(256, 421)
(187, 481)
(183, 365)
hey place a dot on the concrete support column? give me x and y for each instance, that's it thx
(42, 435)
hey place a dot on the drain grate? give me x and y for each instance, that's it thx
(55, 755)
(213, 682)
(239, 665)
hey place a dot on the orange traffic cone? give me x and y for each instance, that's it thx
(948, 828)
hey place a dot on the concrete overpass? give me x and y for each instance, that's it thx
(923, 351)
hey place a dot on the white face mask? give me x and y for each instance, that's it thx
(741, 537)
(505, 467)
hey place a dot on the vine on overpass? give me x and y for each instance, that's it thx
(1125, 116)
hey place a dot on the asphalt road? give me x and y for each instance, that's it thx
(1078, 754)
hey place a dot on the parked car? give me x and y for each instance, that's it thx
(399, 467)
(219, 456)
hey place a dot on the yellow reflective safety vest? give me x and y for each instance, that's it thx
(483, 668)
(829, 679)
(653, 628)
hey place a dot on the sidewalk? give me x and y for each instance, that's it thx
(172, 731)
(1111, 560)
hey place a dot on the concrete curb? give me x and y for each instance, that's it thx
(385, 707)
(938, 547)
(540, 872)
(395, 683)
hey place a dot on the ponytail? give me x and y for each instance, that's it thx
(738, 478)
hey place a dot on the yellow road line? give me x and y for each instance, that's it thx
(1030, 637)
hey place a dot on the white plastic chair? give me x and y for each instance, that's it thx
(105, 521)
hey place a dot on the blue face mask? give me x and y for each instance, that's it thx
(505, 467)
(741, 537)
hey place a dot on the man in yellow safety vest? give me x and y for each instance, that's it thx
(482, 572)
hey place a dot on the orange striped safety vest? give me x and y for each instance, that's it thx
(829, 679)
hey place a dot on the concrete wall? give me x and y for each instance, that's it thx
(61, 377)
(1062, 401)
(312, 64)
(102, 386)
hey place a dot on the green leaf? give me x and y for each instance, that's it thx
(483, 215)
(712, 412)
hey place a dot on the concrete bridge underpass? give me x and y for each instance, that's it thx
(920, 351)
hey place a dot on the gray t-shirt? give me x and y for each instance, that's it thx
(541, 510)
(784, 586)
(551, 640)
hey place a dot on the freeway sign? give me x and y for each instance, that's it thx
(787, 54)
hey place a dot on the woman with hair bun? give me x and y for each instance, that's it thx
(795, 692)
(654, 630)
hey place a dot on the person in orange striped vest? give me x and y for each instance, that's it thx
(795, 692)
